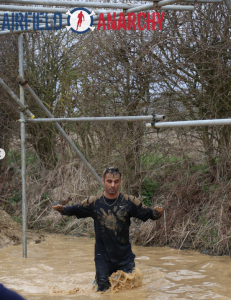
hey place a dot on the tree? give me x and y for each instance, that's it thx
(194, 64)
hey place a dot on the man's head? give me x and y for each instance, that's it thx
(111, 180)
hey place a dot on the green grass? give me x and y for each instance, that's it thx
(61, 224)
(158, 160)
(148, 190)
(14, 157)
(17, 219)
(202, 168)
(16, 197)
(203, 220)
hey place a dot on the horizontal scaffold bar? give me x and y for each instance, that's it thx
(197, 1)
(14, 8)
(214, 122)
(151, 6)
(97, 4)
(129, 8)
(177, 7)
(203, 1)
(64, 10)
(94, 119)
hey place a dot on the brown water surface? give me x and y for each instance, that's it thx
(62, 267)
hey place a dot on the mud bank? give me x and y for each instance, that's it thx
(11, 232)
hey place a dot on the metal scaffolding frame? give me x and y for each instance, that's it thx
(27, 116)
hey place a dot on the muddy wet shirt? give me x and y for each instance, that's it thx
(111, 222)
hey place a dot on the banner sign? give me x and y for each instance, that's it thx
(80, 20)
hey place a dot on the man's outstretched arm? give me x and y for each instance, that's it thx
(143, 212)
(82, 210)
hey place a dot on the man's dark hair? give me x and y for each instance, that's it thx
(111, 170)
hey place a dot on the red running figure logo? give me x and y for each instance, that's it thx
(80, 18)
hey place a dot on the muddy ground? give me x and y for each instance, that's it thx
(11, 232)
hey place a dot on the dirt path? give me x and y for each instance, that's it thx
(11, 232)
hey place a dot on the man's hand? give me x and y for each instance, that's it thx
(58, 207)
(159, 209)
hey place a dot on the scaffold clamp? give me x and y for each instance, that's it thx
(22, 121)
(23, 83)
(155, 119)
(23, 109)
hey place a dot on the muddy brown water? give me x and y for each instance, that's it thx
(62, 267)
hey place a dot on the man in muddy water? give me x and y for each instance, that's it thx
(111, 211)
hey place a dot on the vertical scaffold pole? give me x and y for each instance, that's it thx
(23, 150)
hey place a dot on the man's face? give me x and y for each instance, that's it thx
(112, 183)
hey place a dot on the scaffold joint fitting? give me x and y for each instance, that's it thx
(22, 109)
(22, 121)
(23, 83)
